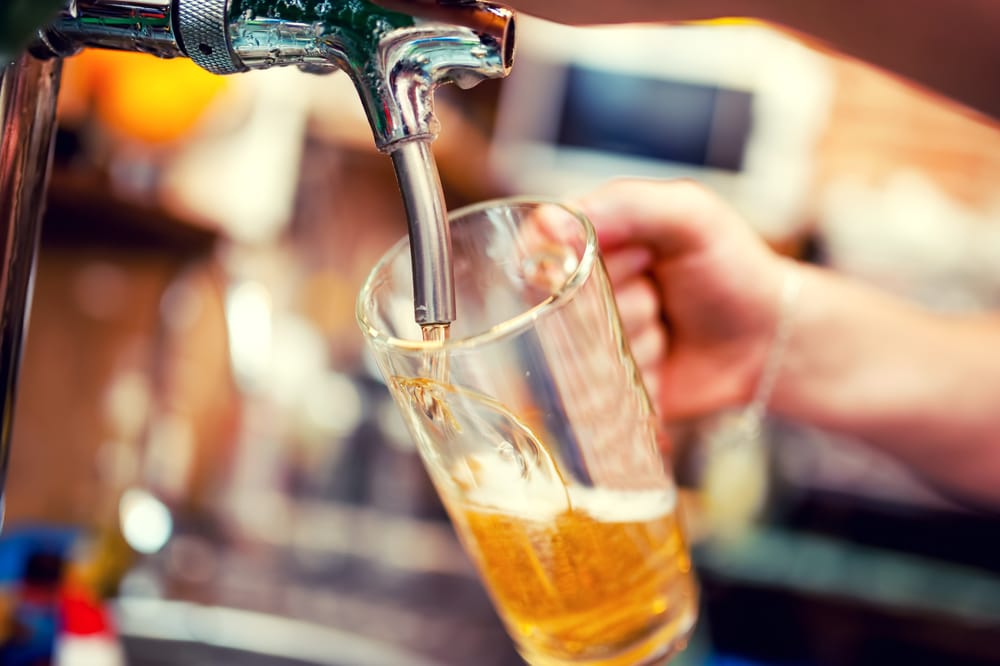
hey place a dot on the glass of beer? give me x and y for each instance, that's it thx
(536, 430)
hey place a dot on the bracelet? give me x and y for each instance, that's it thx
(734, 481)
(791, 286)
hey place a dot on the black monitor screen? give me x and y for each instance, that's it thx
(654, 118)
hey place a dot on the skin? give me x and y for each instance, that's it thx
(947, 46)
(686, 268)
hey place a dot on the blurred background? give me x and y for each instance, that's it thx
(205, 469)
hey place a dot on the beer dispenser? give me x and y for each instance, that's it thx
(395, 57)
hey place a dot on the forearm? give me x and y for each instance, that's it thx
(921, 386)
(950, 46)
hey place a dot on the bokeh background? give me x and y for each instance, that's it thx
(206, 470)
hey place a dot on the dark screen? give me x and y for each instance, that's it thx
(654, 118)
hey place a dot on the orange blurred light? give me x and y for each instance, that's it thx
(140, 97)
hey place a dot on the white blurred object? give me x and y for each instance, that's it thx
(127, 404)
(246, 179)
(911, 238)
(255, 634)
(146, 524)
(281, 362)
(331, 403)
(250, 328)
(735, 483)
(790, 89)
(92, 650)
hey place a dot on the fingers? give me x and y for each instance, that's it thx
(627, 263)
(649, 349)
(670, 217)
(548, 224)
(638, 305)
(649, 346)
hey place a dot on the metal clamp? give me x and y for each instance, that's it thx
(204, 31)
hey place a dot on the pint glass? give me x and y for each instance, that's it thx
(537, 432)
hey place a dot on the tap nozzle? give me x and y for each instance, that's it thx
(396, 56)
(396, 52)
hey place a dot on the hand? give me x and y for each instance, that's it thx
(697, 289)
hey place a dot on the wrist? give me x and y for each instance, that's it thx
(779, 339)
(811, 357)
(850, 362)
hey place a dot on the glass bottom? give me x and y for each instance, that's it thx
(670, 650)
(656, 650)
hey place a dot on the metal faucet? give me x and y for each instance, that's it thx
(395, 58)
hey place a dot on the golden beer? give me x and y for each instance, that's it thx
(606, 582)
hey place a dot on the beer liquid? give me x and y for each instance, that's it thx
(580, 575)
(435, 332)
(436, 362)
(606, 581)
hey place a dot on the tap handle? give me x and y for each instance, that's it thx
(203, 28)
(198, 29)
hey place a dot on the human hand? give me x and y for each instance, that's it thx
(698, 291)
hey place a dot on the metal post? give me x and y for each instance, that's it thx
(28, 90)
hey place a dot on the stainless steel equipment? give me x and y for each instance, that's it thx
(395, 58)
(28, 89)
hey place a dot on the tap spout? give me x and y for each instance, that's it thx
(396, 51)
(395, 59)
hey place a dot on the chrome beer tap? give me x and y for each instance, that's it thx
(395, 57)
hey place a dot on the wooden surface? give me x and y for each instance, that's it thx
(879, 125)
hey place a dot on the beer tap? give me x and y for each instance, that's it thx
(395, 57)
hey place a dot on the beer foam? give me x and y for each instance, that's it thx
(498, 485)
(494, 485)
(618, 505)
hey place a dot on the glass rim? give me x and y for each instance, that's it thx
(519, 322)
